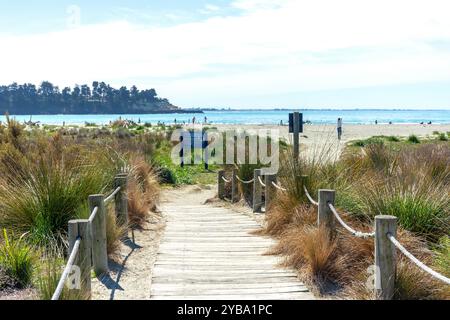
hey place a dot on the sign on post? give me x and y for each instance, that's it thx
(291, 123)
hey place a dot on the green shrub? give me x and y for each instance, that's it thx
(443, 137)
(393, 139)
(17, 259)
(413, 139)
(369, 141)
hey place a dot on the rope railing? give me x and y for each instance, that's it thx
(279, 187)
(93, 215)
(112, 195)
(418, 263)
(67, 270)
(226, 180)
(309, 197)
(357, 234)
(243, 181)
(261, 182)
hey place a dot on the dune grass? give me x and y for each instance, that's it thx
(371, 177)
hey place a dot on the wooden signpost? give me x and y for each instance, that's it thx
(296, 127)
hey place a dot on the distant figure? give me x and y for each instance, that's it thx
(339, 128)
(64, 123)
(390, 122)
(429, 122)
(281, 123)
(193, 120)
(139, 120)
(376, 121)
(175, 121)
(206, 120)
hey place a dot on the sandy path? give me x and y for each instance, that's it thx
(131, 271)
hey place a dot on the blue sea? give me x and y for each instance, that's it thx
(363, 116)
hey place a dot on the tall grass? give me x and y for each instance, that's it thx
(48, 278)
(45, 180)
(17, 259)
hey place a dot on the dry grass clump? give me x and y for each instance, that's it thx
(143, 191)
(114, 232)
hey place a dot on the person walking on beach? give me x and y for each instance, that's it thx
(339, 128)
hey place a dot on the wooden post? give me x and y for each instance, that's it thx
(98, 234)
(385, 257)
(121, 199)
(325, 217)
(221, 184)
(234, 187)
(80, 228)
(296, 136)
(270, 190)
(257, 191)
(182, 151)
(205, 147)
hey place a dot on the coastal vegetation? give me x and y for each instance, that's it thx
(377, 176)
(46, 176)
(100, 98)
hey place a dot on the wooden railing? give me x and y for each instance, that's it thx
(87, 240)
(384, 234)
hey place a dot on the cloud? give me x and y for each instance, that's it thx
(273, 46)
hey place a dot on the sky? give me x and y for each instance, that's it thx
(238, 53)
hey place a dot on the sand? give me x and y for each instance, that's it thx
(315, 132)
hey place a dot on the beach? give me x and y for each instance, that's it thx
(316, 133)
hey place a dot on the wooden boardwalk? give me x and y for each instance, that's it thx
(208, 253)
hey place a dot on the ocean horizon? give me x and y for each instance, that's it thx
(275, 116)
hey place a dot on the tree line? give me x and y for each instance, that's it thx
(100, 98)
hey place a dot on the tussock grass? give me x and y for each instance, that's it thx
(143, 191)
(413, 139)
(17, 260)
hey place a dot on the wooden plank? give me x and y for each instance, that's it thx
(267, 296)
(242, 284)
(206, 249)
(214, 272)
(213, 280)
(237, 254)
